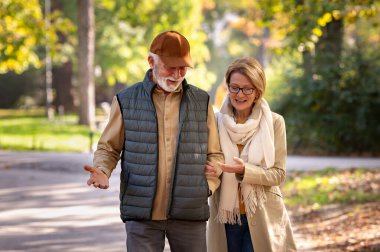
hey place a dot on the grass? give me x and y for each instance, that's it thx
(316, 188)
(31, 130)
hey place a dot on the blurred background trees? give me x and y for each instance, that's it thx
(321, 58)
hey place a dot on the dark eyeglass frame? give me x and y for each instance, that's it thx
(236, 90)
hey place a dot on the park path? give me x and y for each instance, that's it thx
(71, 162)
(46, 206)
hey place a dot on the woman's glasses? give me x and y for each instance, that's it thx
(236, 90)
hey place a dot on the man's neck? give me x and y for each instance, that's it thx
(162, 90)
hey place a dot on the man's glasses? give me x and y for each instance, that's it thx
(236, 90)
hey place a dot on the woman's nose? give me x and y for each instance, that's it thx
(240, 93)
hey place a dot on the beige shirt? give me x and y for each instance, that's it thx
(167, 107)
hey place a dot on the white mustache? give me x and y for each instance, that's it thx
(174, 79)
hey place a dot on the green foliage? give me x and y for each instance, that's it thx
(278, 73)
(19, 34)
(126, 29)
(60, 51)
(30, 130)
(333, 106)
(323, 59)
(337, 114)
(303, 23)
(331, 186)
(23, 32)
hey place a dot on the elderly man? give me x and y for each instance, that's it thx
(165, 131)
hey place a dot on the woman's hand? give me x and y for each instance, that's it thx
(210, 170)
(237, 168)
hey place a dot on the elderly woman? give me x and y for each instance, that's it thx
(247, 212)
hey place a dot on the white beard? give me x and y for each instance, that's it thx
(161, 81)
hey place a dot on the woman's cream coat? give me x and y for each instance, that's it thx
(270, 226)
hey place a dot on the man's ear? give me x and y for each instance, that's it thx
(151, 61)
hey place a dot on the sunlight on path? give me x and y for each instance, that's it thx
(52, 211)
(56, 211)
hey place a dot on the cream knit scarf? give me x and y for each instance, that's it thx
(257, 136)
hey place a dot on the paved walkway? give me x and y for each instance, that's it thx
(46, 206)
(72, 162)
(317, 163)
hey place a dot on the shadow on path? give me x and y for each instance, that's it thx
(54, 211)
(46, 205)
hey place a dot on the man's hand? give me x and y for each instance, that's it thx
(237, 168)
(97, 178)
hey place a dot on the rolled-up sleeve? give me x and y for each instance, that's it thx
(214, 153)
(111, 141)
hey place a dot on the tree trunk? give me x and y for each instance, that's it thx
(63, 87)
(62, 75)
(86, 52)
(329, 51)
(307, 66)
(49, 110)
(262, 55)
(328, 56)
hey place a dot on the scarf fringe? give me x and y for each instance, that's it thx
(255, 199)
(230, 217)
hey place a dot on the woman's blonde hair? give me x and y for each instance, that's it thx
(250, 68)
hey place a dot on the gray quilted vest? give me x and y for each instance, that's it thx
(189, 188)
